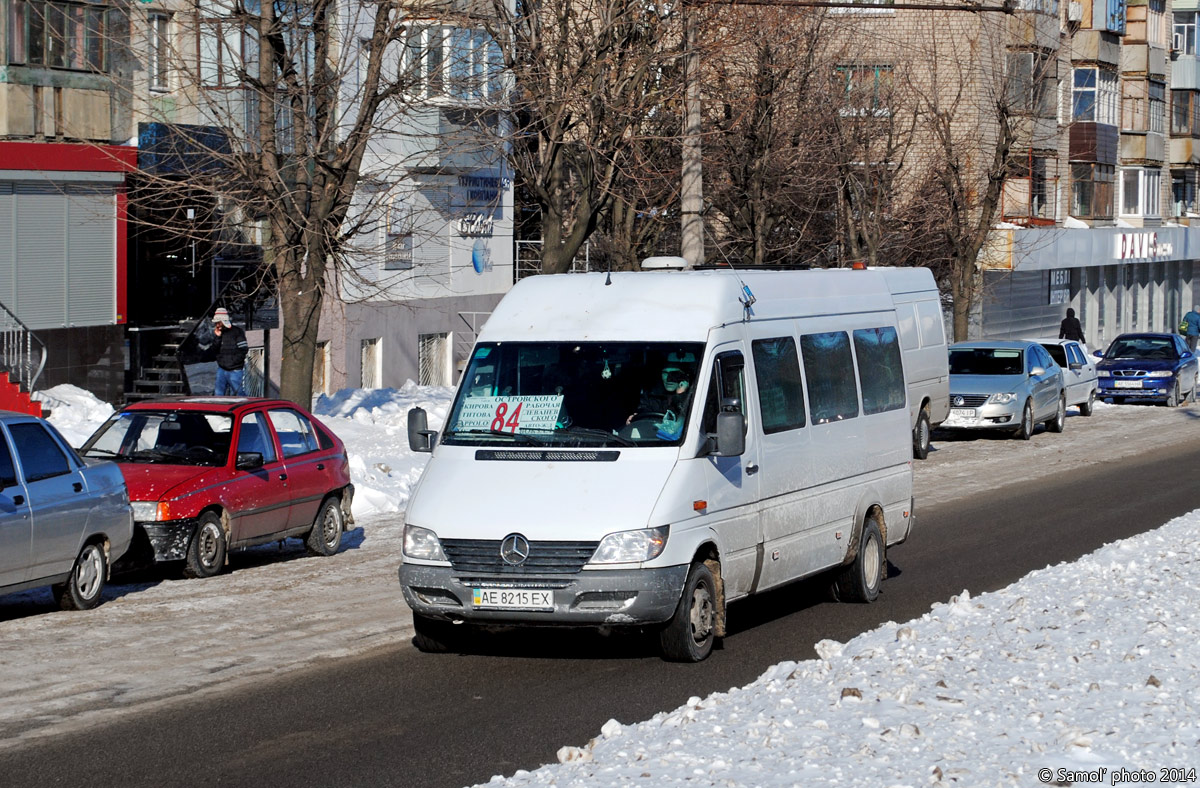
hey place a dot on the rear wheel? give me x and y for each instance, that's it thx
(1057, 423)
(1085, 408)
(691, 632)
(83, 587)
(206, 552)
(860, 580)
(326, 535)
(1025, 431)
(921, 435)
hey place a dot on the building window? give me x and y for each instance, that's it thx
(1096, 96)
(158, 50)
(1092, 190)
(463, 63)
(1140, 192)
(1183, 193)
(1156, 24)
(1032, 78)
(433, 360)
(227, 48)
(1183, 38)
(868, 88)
(1026, 189)
(398, 236)
(1185, 113)
(57, 35)
(372, 364)
(1144, 106)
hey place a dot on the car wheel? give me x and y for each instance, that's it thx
(433, 636)
(1025, 431)
(1085, 408)
(691, 632)
(1173, 397)
(206, 551)
(921, 435)
(1057, 423)
(859, 581)
(326, 535)
(86, 582)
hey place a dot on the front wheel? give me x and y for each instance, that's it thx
(921, 435)
(1085, 408)
(206, 552)
(691, 632)
(860, 580)
(86, 581)
(1057, 423)
(433, 636)
(326, 535)
(1025, 431)
(1173, 397)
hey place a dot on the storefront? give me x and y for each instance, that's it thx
(1117, 280)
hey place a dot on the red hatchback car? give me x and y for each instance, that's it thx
(207, 475)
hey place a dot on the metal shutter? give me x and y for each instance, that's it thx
(91, 249)
(8, 248)
(41, 281)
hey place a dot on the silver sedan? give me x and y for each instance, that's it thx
(1005, 384)
(63, 521)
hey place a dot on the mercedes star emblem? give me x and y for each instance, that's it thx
(514, 549)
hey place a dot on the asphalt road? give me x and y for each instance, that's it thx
(398, 717)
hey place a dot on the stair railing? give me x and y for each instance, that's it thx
(22, 354)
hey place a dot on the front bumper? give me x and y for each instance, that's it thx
(170, 538)
(589, 598)
(987, 416)
(1152, 388)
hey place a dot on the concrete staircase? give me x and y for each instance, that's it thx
(22, 358)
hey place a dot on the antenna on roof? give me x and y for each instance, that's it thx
(747, 298)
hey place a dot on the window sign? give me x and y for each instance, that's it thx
(1060, 286)
(530, 413)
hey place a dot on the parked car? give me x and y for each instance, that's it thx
(63, 521)
(1079, 372)
(1147, 366)
(212, 474)
(1005, 384)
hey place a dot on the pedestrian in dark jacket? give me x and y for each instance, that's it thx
(231, 355)
(1191, 326)
(1070, 327)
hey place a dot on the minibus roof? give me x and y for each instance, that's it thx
(677, 306)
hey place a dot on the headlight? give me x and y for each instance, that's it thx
(150, 511)
(627, 547)
(422, 544)
(1160, 373)
(1003, 399)
(1103, 373)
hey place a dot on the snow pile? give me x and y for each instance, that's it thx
(75, 412)
(1077, 667)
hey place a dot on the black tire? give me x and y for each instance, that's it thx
(433, 636)
(690, 634)
(206, 551)
(921, 435)
(860, 580)
(1059, 421)
(326, 535)
(1025, 431)
(1173, 398)
(83, 588)
(1086, 408)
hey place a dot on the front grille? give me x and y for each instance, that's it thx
(968, 400)
(551, 558)
(1129, 373)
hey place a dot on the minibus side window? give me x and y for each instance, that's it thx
(829, 368)
(780, 392)
(880, 369)
(727, 382)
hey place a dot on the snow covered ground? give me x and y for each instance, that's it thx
(1080, 666)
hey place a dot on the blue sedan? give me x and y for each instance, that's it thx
(1147, 367)
(63, 520)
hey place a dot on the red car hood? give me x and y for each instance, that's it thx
(148, 482)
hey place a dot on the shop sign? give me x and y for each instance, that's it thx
(1140, 246)
(1060, 286)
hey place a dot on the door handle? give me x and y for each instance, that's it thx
(283, 477)
(751, 469)
(320, 466)
(77, 486)
(18, 499)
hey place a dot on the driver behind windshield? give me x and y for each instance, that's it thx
(666, 401)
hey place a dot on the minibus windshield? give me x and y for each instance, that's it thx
(575, 394)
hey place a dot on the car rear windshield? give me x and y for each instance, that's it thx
(986, 361)
(1149, 348)
(168, 437)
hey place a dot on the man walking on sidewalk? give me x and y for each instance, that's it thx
(231, 355)
(1191, 327)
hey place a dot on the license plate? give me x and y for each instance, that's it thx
(963, 413)
(1127, 384)
(512, 599)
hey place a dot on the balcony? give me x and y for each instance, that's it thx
(1185, 73)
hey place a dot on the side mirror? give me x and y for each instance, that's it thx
(1098, 353)
(248, 460)
(731, 435)
(420, 437)
(1186, 354)
(1037, 371)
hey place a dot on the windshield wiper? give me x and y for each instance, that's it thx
(524, 437)
(102, 452)
(155, 455)
(595, 433)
